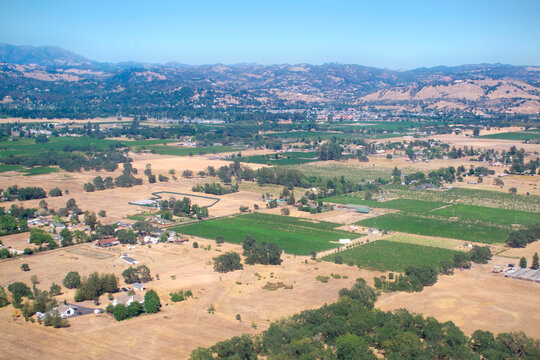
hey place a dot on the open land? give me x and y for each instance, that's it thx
(426, 226)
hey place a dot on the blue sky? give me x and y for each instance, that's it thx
(391, 34)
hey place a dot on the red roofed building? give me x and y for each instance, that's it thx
(108, 242)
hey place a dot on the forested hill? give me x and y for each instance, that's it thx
(56, 82)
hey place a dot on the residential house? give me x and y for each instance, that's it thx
(57, 226)
(127, 299)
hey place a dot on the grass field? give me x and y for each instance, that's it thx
(449, 244)
(439, 226)
(309, 135)
(493, 199)
(513, 136)
(293, 235)
(388, 255)
(133, 143)
(396, 204)
(170, 150)
(331, 169)
(39, 170)
(290, 158)
(492, 215)
(6, 168)
(29, 146)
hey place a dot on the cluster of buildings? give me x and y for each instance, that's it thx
(516, 272)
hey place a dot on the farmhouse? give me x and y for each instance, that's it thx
(108, 242)
(126, 299)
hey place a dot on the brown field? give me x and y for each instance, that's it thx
(115, 201)
(475, 299)
(179, 327)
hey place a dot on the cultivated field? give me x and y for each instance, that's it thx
(388, 255)
(293, 235)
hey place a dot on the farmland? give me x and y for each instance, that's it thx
(462, 229)
(388, 255)
(177, 151)
(396, 204)
(353, 172)
(494, 199)
(6, 168)
(513, 136)
(39, 170)
(492, 215)
(290, 158)
(293, 235)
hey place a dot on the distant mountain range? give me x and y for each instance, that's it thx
(25, 71)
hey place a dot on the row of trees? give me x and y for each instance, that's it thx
(523, 237)
(95, 285)
(24, 193)
(215, 188)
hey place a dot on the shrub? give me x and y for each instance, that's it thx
(55, 192)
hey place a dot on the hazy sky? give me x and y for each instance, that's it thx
(394, 34)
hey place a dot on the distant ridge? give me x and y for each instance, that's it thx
(469, 88)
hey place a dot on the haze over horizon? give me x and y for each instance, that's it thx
(391, 35)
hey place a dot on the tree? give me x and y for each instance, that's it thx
(25, 267)
(523, 262)
(135, 309)
(535, 264)
(72, 280)
(89, 187)
(353, 347)
(139, 274)
(102, 213)
(90, 219)
(3, 298)
(152, 303)
(462, 261)
(120, 312)
(55, 289)
(512, 190)
(126, 237)
(480, 254)
(227, 262)
(54, 319)
(67, 237)
(18, 291)
(187, 173)
(38, 237)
